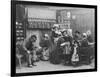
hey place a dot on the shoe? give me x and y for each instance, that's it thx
(34, 65)
(66, 64)
(30, 66)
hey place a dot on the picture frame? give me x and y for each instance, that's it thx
(13, 36)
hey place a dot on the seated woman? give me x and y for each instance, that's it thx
(85, 50)
(45, 44)
(90, 38)
(91, 41)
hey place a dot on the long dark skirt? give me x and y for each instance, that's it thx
(56, 56)
(86, 54)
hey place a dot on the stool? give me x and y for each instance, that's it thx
(18, 56)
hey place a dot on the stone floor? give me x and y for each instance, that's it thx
(43, 66)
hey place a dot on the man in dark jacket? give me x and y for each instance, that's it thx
(29, 46)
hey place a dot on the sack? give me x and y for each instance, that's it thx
(75, 58)
(45, 54)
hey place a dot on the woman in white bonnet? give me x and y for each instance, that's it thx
(55, 33)
(88, 32)
(69, 31)
(56, 29)
(85, 50)
(84, 42)
(89, 36)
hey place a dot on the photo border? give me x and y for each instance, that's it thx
(13, 37)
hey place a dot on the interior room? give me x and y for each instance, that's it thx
(39, 20)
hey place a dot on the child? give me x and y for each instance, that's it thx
(75, 56)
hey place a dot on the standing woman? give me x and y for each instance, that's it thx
(55, 54)
(67, 47)
(55, 33)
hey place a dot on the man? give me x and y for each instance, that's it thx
(30, 48)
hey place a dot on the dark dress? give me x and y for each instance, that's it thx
(45, 43)
(90, 39)
(56, 54)
(85, 51)
(67, 57)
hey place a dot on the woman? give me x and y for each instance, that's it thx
(55, 33)
(45, 44)
(57, 53)
(67, 47)
(85, 50)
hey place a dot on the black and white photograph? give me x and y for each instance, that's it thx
(54, 38)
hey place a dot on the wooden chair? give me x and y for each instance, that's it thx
(18, 55)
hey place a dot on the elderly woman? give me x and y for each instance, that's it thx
(89, 37)
(55, 33)
(85, 50)
(57, 53)
(45, 44)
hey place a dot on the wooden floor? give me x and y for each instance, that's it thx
(43, 66)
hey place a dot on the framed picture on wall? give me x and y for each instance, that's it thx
(52, 38)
